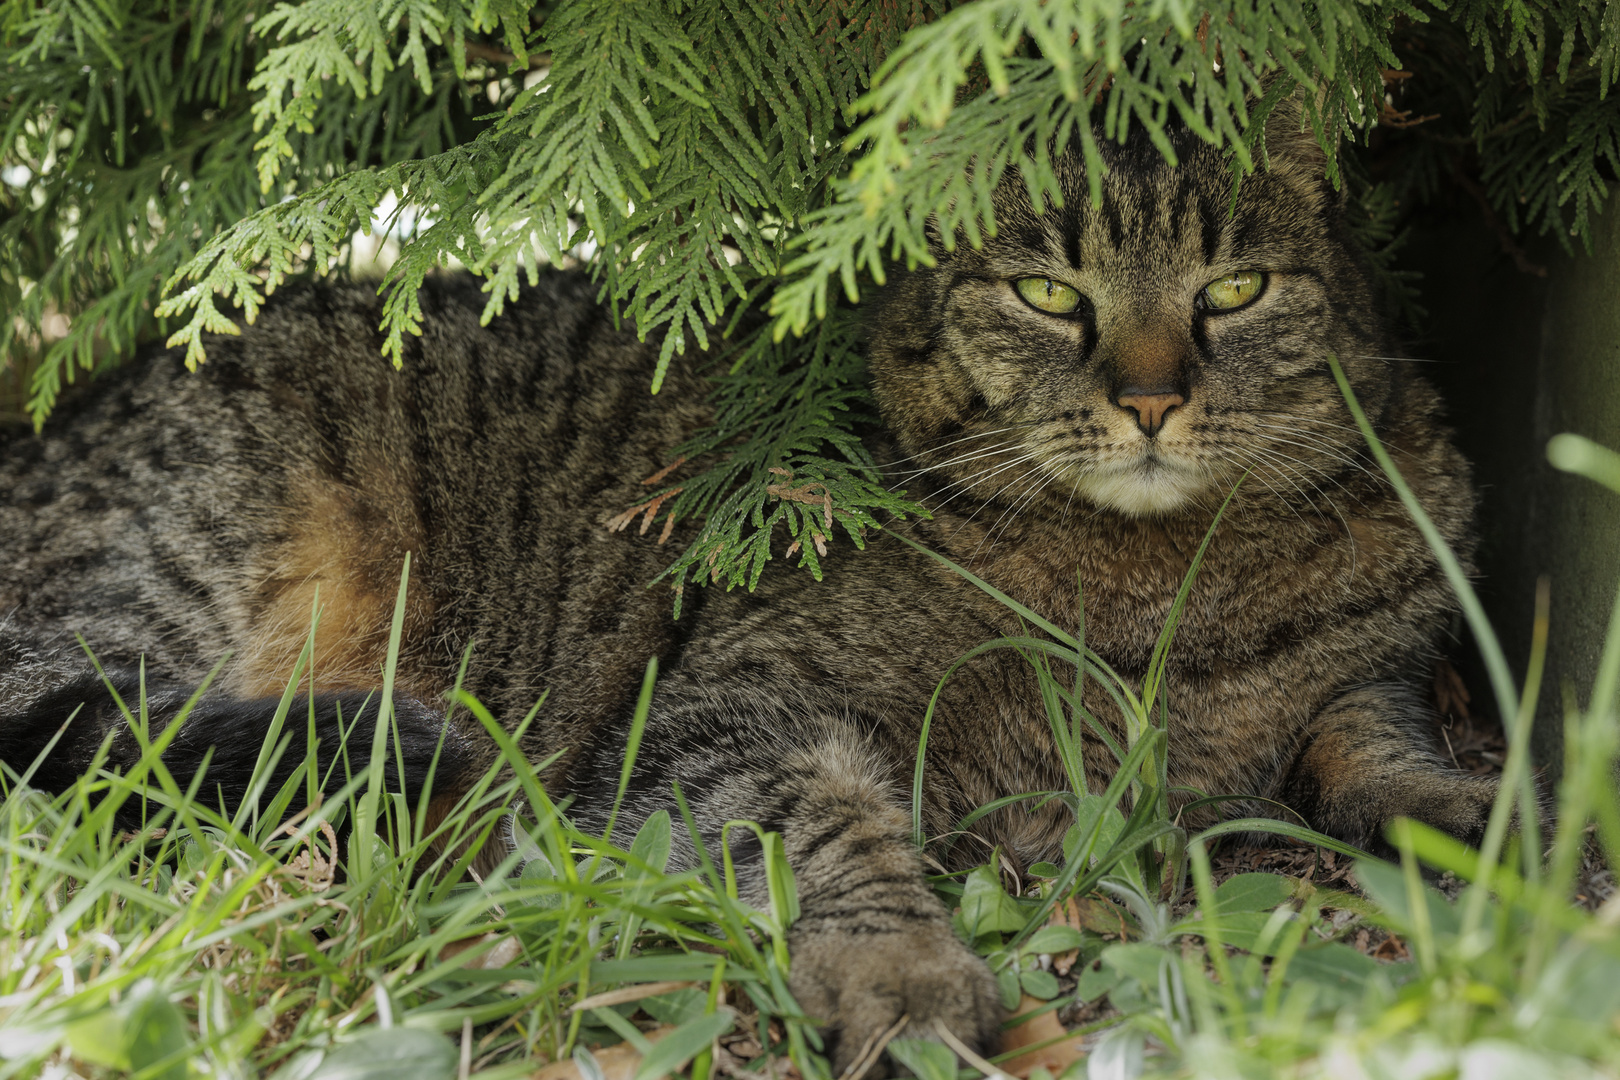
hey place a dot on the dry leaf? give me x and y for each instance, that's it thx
(314, 870)
(1040, 1029)
(618, 1062)
(503, 954)
(1067, 914)
(1082, 914)
(628, 994)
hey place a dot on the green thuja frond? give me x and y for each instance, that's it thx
(713, 164)
(784, 459)
(1042, 73)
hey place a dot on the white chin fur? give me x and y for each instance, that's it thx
(1142, 490)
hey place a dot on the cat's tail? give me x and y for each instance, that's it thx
(78, 725)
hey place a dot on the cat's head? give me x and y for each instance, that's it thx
(1144, 353)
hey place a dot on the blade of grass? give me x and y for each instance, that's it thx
(1507, 695)
(364, 835)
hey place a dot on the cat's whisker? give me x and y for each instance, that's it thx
(961, 459)
(1048, 475)
(994, 471)
(1326, 451)
(1356, 439)
(969, 437)
(986, 434)
(1286, 468)
(1258, 470)
(1042, 465)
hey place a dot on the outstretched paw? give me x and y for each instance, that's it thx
(869, 988)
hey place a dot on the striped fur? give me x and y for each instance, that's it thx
(177, 516)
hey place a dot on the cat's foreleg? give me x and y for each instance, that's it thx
(1367, 759)
(872, 943)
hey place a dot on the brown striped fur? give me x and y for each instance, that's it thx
(178, 516)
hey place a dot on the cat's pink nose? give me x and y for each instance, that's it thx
(1151, 409)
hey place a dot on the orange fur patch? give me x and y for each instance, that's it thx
(343, 551)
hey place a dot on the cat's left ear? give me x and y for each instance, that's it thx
(1288, 146)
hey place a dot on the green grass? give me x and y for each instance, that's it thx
(238, 946)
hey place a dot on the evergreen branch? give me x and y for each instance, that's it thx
(928, 159)
(709, 162)
(781, 455)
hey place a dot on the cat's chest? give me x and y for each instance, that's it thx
(1126, 582)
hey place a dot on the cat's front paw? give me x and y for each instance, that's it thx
(859, 985)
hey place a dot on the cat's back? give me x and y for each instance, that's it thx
(179, 514)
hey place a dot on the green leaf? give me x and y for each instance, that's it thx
(676, 1007)
(684, 1043)
(1332, 964)
(1385, 884)
(144, 1029)
(1239, 929)
(1095, 981)
(926, 1059)
(99, 1038)
(1253, 892)
(1039, 984)
(662, 967)
(651, 846)
(986, 907)
(1007, 984)
(1086, 814)
(1139, 961)
(390, 1054)
(1054, 939)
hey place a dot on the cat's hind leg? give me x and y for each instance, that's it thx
(57, 712)
(1368, 758)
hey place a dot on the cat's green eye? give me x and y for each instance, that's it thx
(1048, 295)
(1233, 290)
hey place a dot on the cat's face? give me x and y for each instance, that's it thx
(1143, 354)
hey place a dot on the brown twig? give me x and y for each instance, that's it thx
(803, 493)
(665, 471)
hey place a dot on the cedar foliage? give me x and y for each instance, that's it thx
(737, 173)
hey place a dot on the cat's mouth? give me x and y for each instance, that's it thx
(1154, 483)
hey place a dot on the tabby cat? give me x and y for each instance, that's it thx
(1082, 392)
